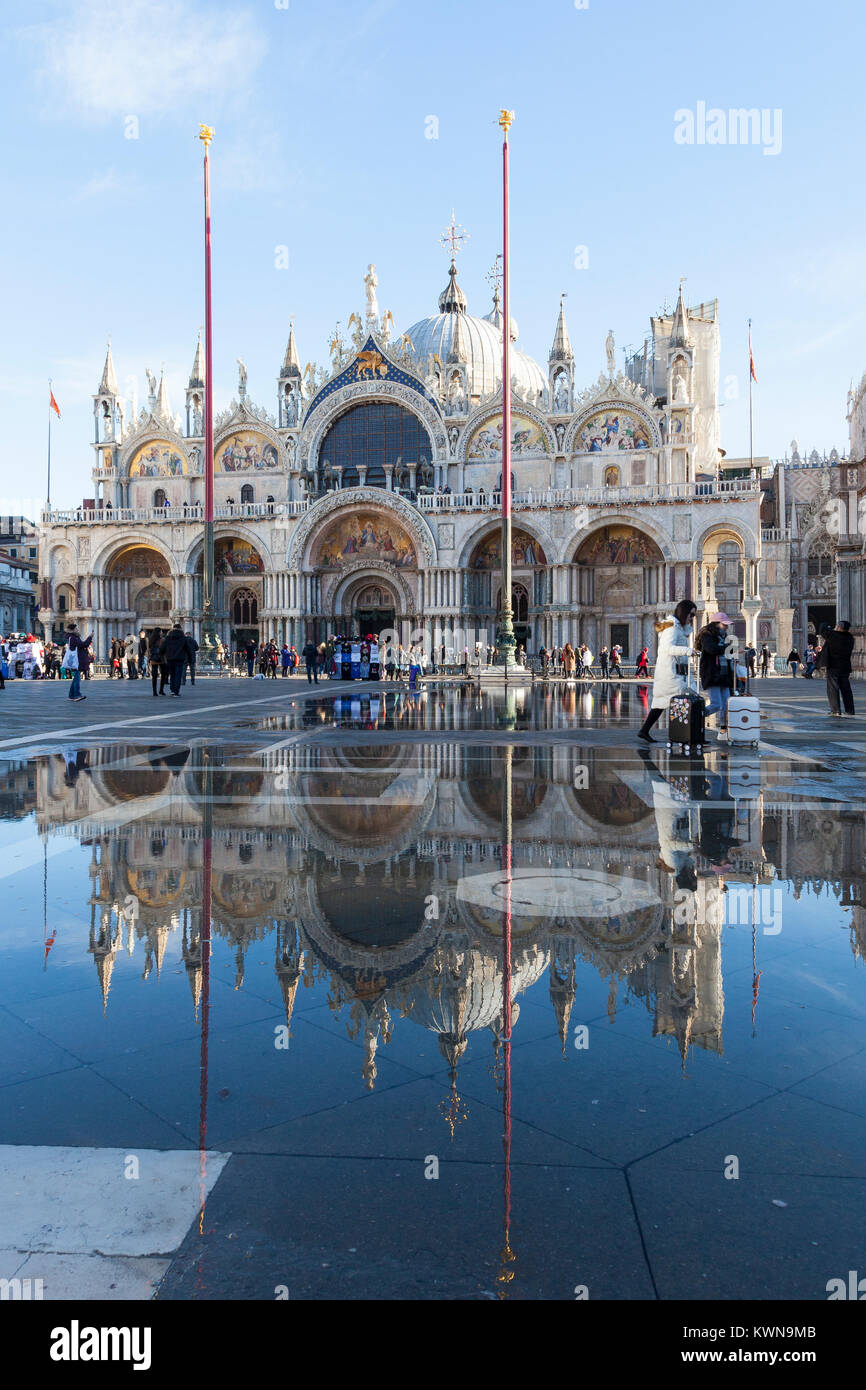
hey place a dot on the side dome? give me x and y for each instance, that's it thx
(477, 342)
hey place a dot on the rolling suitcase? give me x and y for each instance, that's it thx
(686, 714)
(744, 718)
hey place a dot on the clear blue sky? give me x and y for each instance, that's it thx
(320, 113)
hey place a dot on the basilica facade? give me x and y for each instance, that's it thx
(369, 500)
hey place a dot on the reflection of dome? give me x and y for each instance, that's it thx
(480, 344)
(377, 910)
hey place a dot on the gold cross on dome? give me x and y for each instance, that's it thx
(454, 236)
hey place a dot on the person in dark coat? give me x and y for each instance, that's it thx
(191, 649)
(175, 653)
(716, 669)
(311, 657)
(835, 657)
(156, 661)
(794, 661)
(250, 654)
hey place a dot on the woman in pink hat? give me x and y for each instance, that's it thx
(716, 668)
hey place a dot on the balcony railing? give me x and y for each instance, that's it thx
(191, 511)
(481, 500)
(775, 533)
(587, 496)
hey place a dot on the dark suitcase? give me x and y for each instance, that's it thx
(686, 715)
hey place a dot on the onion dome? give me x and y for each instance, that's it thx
(453, 333)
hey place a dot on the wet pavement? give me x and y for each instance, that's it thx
(455, 995)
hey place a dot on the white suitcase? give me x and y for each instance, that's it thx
(744, 778)
(744, 720)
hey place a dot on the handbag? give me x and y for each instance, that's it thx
(70, 660)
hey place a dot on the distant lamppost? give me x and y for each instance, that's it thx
(208, 622)
(505, 643)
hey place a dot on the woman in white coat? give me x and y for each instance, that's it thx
(674, 647)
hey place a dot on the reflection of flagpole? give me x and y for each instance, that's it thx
(756, 973)
(508, 1256)
(206, 871)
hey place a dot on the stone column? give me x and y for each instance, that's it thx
(389, 477)
(362, 475)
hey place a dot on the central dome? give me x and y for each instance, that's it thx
(475, 342)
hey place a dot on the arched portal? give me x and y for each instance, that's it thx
(238, 570)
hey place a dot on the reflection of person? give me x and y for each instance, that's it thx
(670, 677)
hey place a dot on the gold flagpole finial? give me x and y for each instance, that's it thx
(505, 119)
(205, 134)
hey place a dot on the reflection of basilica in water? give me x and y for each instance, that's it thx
(376, 869)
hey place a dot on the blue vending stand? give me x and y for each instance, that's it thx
(365, 661)
(375, 667)
(355, 659)
(346, 661)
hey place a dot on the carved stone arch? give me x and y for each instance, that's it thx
(491, 407)
(243, 419)
(337, 588)
(705, 547)
(127, 541)
(369, 392)
(492, 527)
(573, 543)
(151, 432)
(349, 499)
(634, 406)
(223, 530)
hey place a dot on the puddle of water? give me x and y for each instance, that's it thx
(669, 945)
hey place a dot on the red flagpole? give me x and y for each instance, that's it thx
(505, 638)
(208, 635)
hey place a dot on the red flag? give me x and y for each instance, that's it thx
(52, 404)
(751, 359)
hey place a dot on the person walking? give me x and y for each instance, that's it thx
(189, 658)
(672, 663)
(75, 659)
(285, 659)
(751, 655)
(142, 653)
(794, 661)
(175, 653)
(311, 658)
(616, 662)
(156, 662)
(604, 662)
(716, 669)
(835, 658)
(643, 663)
(390, 663)
(765, 660)
(569, 660)
(250, 655)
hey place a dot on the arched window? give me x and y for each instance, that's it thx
(247, 493)
(372, 435)
(245, 608)
(159, 497)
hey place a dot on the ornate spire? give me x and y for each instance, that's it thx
(196, 376)
(452, 300)
(162, 405)
(291, 364)
(458, 351)
(108, 385)
(680, 325)
(496, 316)
(561, 350)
